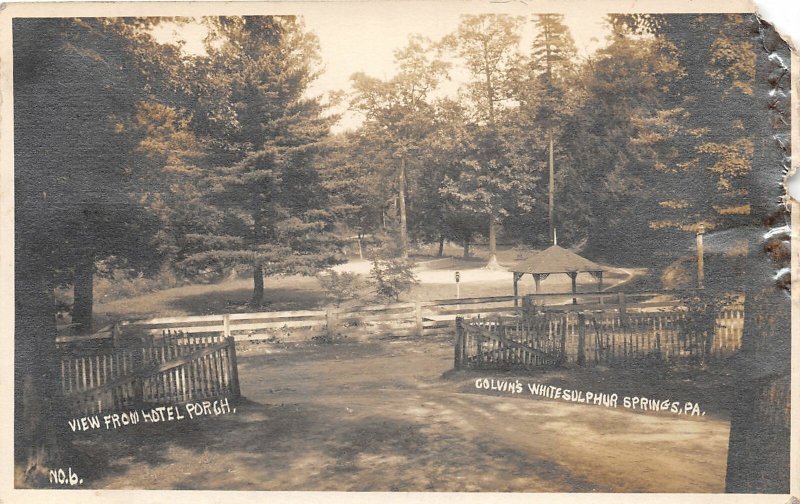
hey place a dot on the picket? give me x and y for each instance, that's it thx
(601, 337)
(176, 368)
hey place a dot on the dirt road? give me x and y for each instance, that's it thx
(379, 416)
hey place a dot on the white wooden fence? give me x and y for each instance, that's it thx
(422, 318)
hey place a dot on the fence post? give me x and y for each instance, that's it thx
(226, 325)
(418, 317)
(459, 354)
(330, 321)
(563, 357)
(528, 308)
(234, 369)
(581, 339)
(116, 331)
(137, 363)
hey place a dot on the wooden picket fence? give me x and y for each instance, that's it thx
(172, 369)
(504, 343)
(614, 339)
(610, 336)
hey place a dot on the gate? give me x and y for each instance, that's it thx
(173, 369)
(509, 342)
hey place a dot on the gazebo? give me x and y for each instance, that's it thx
(556, 259)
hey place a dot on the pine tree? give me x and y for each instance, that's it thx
(265, 136)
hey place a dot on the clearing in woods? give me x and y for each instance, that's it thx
(380, 416)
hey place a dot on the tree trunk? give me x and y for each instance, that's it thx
(360, 246)
(401, 182)
(758, 447)
(466, 245)
(83, 293)
(493, 264)
(40, 425)
(258, 285)
(441, 246)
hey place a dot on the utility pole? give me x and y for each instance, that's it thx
(551, 204)
(701, 230)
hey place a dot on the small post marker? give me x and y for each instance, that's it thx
(701, 230)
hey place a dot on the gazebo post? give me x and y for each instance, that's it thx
(574, 275)
(600, 285)
(536, 279)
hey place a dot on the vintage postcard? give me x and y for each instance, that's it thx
(410, 248)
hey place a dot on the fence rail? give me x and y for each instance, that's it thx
(396, 319)
(425, 318)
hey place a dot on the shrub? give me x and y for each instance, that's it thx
(116, 281)
(340, 287)
(64, 300)
(700, 317)
(392, 277)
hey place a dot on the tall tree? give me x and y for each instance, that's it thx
(399, 111)
(494, 178)
(624, 81)
(77, 85)
(552, 60)
(726, 168)
(354, 174)
(488, 46)
(264, 135)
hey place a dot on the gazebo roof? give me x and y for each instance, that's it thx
(555, 259)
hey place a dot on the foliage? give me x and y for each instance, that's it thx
(400, 118)
(353, 174)
(392, 277)
(490, 180)
(488, 45)
(76, 187)
(696, 64)
(341, 286)
(264, 137)
(701, 313)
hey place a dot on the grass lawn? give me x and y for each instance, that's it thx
(303, 293)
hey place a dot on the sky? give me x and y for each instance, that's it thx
(362, 37)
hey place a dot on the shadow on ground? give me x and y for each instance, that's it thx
(302, 447)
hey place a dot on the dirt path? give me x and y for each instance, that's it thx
(380, 416)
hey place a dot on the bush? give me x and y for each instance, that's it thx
(340, 287)
(700, 317)
(392, 277)
(114, 280)
(64, 300)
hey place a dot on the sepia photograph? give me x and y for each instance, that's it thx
(398, 247)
